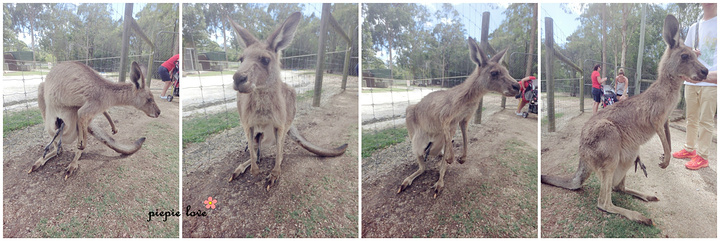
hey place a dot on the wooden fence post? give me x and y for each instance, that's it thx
(549, 58)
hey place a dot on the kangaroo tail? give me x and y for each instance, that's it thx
(295, 135)
(572, 182)
(106, 139)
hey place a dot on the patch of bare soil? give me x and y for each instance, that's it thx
(493, 194)
(314, 196)
(110, 195)
(688, 199)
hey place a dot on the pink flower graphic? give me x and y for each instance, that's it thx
(210, 203)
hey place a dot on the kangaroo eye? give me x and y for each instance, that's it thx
(684, 56)
(149, 100)
(265, 60)
(242, 59)
(494, 73)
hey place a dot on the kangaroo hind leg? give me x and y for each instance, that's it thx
(421, 159)
(606, 176)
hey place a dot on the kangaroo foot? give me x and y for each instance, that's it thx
(39, 163)
(242, 168)
(272, 179)
(71, 169)
(438, 188)
(405, 184)
(461, 160)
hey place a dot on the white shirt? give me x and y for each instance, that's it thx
(707, 46)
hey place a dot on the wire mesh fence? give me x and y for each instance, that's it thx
(384, 100)
(207, 89)
(101, 52)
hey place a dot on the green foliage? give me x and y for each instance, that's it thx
(429, 45)
(65, 31)
(199, 128)
(205, 22)
(381, 139)
(21, 119)
(585, 42)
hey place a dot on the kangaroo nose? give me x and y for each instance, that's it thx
(516, 86)
(704, 71)
(239, 78)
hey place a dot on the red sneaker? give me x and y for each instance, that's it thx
(696, 162)
(683, 154)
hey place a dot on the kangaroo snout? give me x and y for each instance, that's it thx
(239, 79)
(515, 89)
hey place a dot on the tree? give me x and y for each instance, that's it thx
(387, 22)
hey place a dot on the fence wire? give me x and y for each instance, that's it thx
(21, 78)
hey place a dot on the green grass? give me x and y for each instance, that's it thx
(545, 120)
(197, 129)
(373, 141)
(472, 209)
(305, 95)
(603, 224)
(21, 119)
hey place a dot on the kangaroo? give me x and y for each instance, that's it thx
(610, 140)
(73, 94)
(266, 104)
(432, 122)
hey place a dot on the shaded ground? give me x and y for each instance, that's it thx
(687, 198)
(110, 195)
(494, 194)
(315, 197)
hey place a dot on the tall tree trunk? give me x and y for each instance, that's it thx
(604, 36)
(390, 45)
(533, 38)
(625, 13)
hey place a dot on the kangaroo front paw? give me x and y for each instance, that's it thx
(71, 169)
(461, 160)
(81, 145)
(663, 162)
(272, 179)
(114, 131)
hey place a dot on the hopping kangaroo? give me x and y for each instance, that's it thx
(73, 94)
(432, 122)
(610, 140)
(265, 103)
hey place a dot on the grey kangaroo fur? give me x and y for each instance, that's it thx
(610, 140)
(432, 122)
(266, 104)
(73, 94)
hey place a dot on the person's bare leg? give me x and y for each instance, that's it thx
(167, 85)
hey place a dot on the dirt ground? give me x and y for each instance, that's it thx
(110, 195)
(687, 198)
(315, 197)
(493, 194)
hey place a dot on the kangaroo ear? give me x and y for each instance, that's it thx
(500, 56)
(476, 53)
(136, 76)
(246, 38)
(671, 33)
(283, 36)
